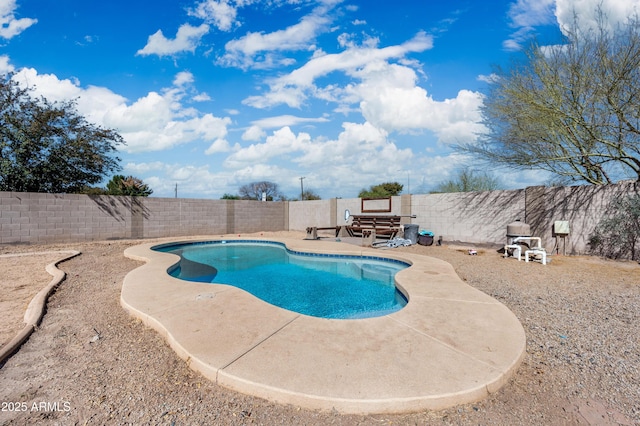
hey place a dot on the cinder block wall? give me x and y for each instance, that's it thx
(480, 217)
(320, 213)
(38, 218)
(582, 206)
(328, 213)
(51, 218)
(354, 205)
(473, 217)
(170, 217)
(256, 216)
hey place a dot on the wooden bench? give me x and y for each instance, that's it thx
(367, 225)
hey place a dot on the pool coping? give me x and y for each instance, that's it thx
(451, 344)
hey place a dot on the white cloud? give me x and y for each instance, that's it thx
(201, 97)
(356, 160)
(144, 168)
(360, 155)
(256, 172)
(282, 142)
(10, 26)
(217, 12)
(183, 85)
(348, 40)
(353, 58)
(243, 52)
(491, 78)
(5, 65)
(156, 121)
(93, 102)
(163, 177)
(183, 78)
(356, 144)
(286, 120)
(256, 131)
(223, 14)
(616, 12)
(292, 88)
(292, 38)
(48, 85)
(220, 145)
(531, 13)
(524, 16)
(388, 94)
(278, 94)
(187, 39)
(391, 100)
(200, 180)
(253, 133)
(150, 112)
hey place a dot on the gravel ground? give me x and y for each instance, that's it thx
(91, 363)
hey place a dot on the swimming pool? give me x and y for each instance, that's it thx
(450, 345)
(326, 286)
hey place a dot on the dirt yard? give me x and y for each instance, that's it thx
(91, 363)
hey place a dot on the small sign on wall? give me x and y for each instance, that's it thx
(561, 227)
(376, 205)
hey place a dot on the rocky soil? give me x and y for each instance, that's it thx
(91, 363)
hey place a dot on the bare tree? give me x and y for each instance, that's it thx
(254, 191)
(570, 109)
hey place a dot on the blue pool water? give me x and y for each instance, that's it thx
(328, 286)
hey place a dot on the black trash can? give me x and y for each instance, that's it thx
(411, 233)
(425, 240)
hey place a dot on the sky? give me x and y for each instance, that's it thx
(336, 95)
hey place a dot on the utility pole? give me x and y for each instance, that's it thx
(176, 190)
(301, 189)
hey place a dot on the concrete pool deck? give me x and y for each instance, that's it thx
(450, 345)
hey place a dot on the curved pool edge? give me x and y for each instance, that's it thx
(450, 345)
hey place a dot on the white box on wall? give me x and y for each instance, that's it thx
(561, 227)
